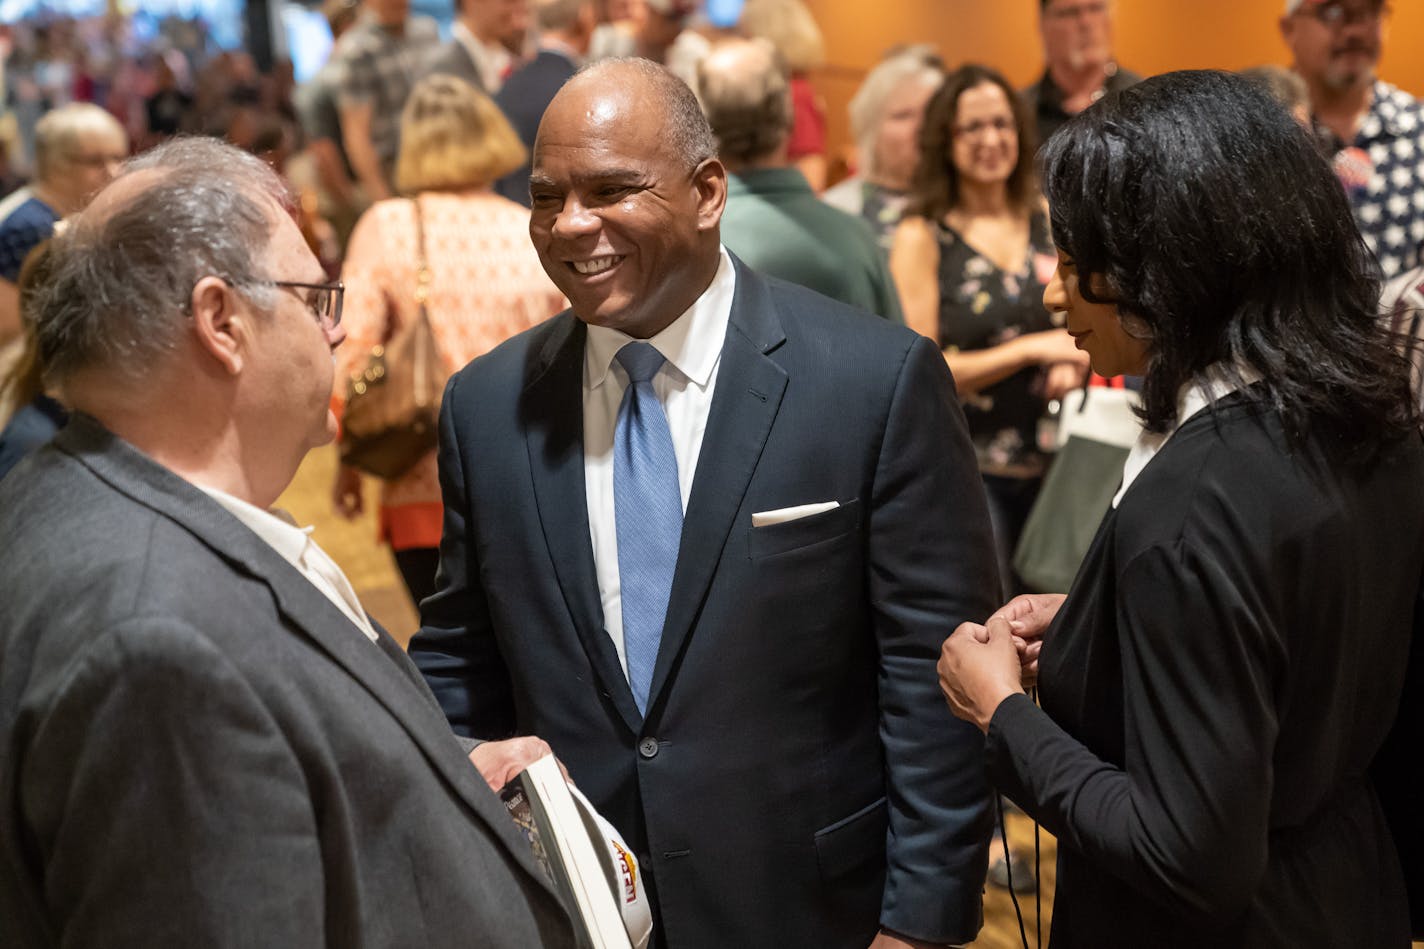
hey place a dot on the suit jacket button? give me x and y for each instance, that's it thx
(648, 747)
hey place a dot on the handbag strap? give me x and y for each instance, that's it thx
(422, 264)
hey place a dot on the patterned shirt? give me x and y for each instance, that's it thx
(378, 67)
(1403, 304)
(982, 305)
(1383, 172)
(877, 205)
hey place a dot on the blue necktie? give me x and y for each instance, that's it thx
(647, 508)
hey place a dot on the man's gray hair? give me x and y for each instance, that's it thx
(686, 131)
(867, 106)
(125, 269)
(746, 94)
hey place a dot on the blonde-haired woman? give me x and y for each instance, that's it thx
(486, 283)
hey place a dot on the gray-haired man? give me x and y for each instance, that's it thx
(204, 741)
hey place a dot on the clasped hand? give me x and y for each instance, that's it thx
(980, 666)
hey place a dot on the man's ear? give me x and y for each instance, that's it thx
(221, 328)
(710, 180)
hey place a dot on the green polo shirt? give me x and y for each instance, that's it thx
(775, 223)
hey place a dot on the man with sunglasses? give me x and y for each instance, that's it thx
(1372, 131)
(204, 740)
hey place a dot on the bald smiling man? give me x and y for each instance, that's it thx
(704, 534)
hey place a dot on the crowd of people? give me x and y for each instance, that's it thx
(732, 472)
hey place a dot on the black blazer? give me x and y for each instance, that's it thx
(798, 779)
(1214, 690)
(198, 749)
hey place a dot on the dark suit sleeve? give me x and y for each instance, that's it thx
(456, 649)
(1185, 820)
(931, 567)
(165, 805)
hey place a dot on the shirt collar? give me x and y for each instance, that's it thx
(1211, 387)
(276, 527)
(489, 58)
(768, 181)
(691, 344)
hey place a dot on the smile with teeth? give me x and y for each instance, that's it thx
(596, 265)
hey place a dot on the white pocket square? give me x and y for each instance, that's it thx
(782, 515)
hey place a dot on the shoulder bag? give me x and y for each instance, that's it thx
(393, 404)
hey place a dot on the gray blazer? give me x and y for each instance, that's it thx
(198, 749)
(453, 59)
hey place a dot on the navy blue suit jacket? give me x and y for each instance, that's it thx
(798, 779)
(523, 99)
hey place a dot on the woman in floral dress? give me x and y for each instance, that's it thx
(970, 260)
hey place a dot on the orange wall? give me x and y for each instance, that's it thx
(1152, 36)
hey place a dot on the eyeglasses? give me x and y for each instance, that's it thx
(977, 128)
(1336, 14)
(94, 161)
(324, 301)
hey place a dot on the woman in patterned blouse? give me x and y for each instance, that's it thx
(486, 283)
(970, 260)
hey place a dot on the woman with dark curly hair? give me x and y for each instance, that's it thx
(970, 260)
(1216, 686)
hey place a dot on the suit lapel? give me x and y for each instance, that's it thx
(553, 430)
(750, 386)
(378, 667)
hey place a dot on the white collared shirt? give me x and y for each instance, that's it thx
(491, 59)
(295, 545)
(692, 346)
(1193, 397)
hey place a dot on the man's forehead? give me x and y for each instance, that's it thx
(583, 108)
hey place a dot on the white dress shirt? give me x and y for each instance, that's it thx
(295, 545)
(692, 346)
(1194, 396)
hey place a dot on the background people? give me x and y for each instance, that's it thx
(486, 43)
(29, 415)
(565, 32)
(1196, 798)
(647, 574)
(378, 61)
(971, 258)
(485, 286)
(791, 29)
(885, 118)
(1373, 131)
(773, 221)
(78, 147)
(1079, 65)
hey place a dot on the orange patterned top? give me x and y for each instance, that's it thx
(486, 285)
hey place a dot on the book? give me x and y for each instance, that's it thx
(582, 856)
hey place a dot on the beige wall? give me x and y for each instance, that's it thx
(1152, 36)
